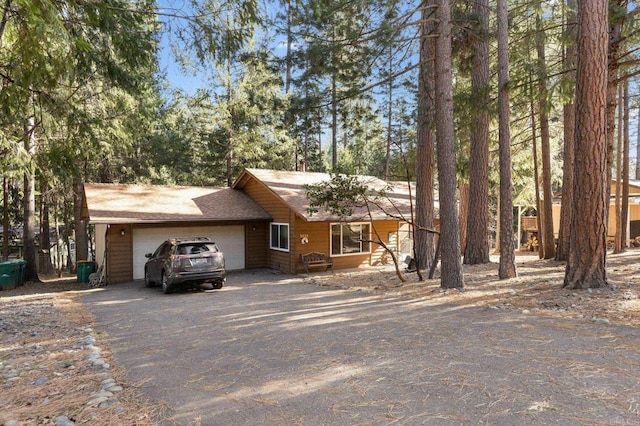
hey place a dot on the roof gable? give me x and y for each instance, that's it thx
(290, 188)
(119, 203)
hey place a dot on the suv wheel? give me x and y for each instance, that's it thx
(166, 289)
(147, 281)
(217, 285)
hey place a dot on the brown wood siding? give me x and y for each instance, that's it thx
(186, 225)
(318, 235)
(120, 248)
(379, 256)
(281, 213)
(256, 245)
(351, 261)
(272, 204)
(119, 255)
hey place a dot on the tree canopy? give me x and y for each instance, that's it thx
(338, 86)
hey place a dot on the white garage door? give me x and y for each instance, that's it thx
(230, 239)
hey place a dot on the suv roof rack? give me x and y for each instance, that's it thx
(182, 239)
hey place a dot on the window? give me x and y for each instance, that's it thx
(405, 240)
(280, 236)
(351, 238)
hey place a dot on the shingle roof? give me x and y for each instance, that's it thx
(290, 188)
(119, 203)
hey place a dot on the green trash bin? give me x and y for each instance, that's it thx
(20, 269)
(85, 268)
(7, 275)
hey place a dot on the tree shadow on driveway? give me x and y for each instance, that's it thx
(272, 349)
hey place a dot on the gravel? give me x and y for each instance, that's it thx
(51, 370)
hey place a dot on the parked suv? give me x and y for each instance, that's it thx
(184, 263)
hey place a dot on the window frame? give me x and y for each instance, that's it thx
(342, 225)
(280, 225)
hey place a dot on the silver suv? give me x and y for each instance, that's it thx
(185, 263)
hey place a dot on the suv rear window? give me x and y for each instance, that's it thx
(196, 248)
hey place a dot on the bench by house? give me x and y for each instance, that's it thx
(316, 259)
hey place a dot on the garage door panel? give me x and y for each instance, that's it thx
(230, 239)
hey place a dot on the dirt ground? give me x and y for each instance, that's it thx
(46, 365)
(537, 289)
(41, 325)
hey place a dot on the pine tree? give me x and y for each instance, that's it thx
(507, 267)
(586, 266)
(449, 241)
(476, 250)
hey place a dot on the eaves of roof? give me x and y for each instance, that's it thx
(120, 203)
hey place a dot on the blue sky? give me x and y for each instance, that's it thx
(176, 76)
(167, 63)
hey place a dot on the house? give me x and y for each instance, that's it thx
(530, 225)
(633, 220)
(283, 195)
(262, 220)
(131, 220)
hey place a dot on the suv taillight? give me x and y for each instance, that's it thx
(176, 260)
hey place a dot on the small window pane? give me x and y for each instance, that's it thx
(280, 236)
(365, 235)
(351, 239)
(274, 236)
(335, 239)
(284, 237)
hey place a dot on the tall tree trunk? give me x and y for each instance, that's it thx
(334, 111)
(387, 155)
(568, 112)
(68, 212)
(547, 241)
(334, 124)
(497, 239)
(424, 241)
(305, 155)
(637, 174)
(617, 241)
(451, 269)
(5, 18)
(507, 266)
(56, 225)
(29, 236)
(80, 227)
(230, 132)
(625, 167)
(45, 238)
(613, 57)
(476, 250)
(5, 218)
(464, 212)
(321, 165)
(616, 22)
(536, 175)
(586, 266)
(288, 115)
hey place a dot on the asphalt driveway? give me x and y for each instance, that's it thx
(270, 349)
